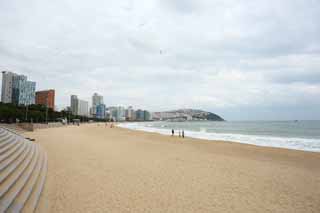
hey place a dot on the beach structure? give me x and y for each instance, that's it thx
(23, 168)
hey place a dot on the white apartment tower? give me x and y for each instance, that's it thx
(7, 87)
(96, 101)
(79, 107)
(17, 89)
(83, 108)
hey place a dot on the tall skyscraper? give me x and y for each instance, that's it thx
(130, 113)
(117, 113)
(79, 107)
(147, 115)
(17, 89)
(96, 100)
(83, 108)
(74, 104)
(6, 91)
(140, 115)
(46, 98)
(101, 111)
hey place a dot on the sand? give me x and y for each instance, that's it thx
(98, 169)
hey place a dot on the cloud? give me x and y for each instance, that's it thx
(216, 55)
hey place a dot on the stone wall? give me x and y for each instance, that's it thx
(34, 126)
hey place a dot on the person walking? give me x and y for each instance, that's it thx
(172, 132)
(182, 133)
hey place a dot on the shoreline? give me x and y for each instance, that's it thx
(290, 143)
(218, 141)
(232, 147)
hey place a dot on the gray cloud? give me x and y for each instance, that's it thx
(216, 55)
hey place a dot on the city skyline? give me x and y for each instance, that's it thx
(246, 60)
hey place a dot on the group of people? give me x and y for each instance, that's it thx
(111, 125)
(181, 133)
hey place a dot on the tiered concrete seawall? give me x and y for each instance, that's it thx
(23, 168)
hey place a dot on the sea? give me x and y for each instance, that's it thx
(298, 135)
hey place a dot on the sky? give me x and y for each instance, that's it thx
(241, 59)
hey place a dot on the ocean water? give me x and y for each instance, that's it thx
(300, 135)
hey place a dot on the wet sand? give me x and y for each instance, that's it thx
(98, 169)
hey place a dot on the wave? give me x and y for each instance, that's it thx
(267, 141)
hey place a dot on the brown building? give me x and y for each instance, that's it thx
(45, 97)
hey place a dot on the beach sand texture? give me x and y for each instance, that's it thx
(97, 169)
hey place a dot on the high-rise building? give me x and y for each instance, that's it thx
(46, 98)
(79, 107)
(147, 115)
(140, 115)
(83, 108)
(6, 91)
(17, 89)
(101, 111)
(117, 113)
(130, 114)
(96, 100)
(74, 104)
(112, 111)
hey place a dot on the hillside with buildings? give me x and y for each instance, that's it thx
(186, 115)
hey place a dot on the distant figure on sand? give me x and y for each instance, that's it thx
(172, 132)
(179, 133)
(182, 133)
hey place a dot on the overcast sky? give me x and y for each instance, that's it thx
(241, 59)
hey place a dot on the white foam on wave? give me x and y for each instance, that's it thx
(268, 141)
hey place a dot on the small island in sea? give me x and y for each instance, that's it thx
(186, 115)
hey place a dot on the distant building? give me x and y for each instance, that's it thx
(130, 114)
(6, 91)
(23, 90)
(74, 104)
(17, 89)
(101, 111)
(96, 100)
(117, 113)
(147, 115)
(83, 109)
(140, 115)
(79, 107)
(46, 98)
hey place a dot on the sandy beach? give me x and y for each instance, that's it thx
(97, 169)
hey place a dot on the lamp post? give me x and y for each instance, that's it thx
(26, 112)
(47, 110)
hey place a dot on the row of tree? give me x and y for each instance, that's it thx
(10, 113)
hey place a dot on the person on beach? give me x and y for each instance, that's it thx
(182, 133)
(172, 132)
(179, 133)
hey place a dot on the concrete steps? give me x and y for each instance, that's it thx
(12, 127)
(23, 168)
